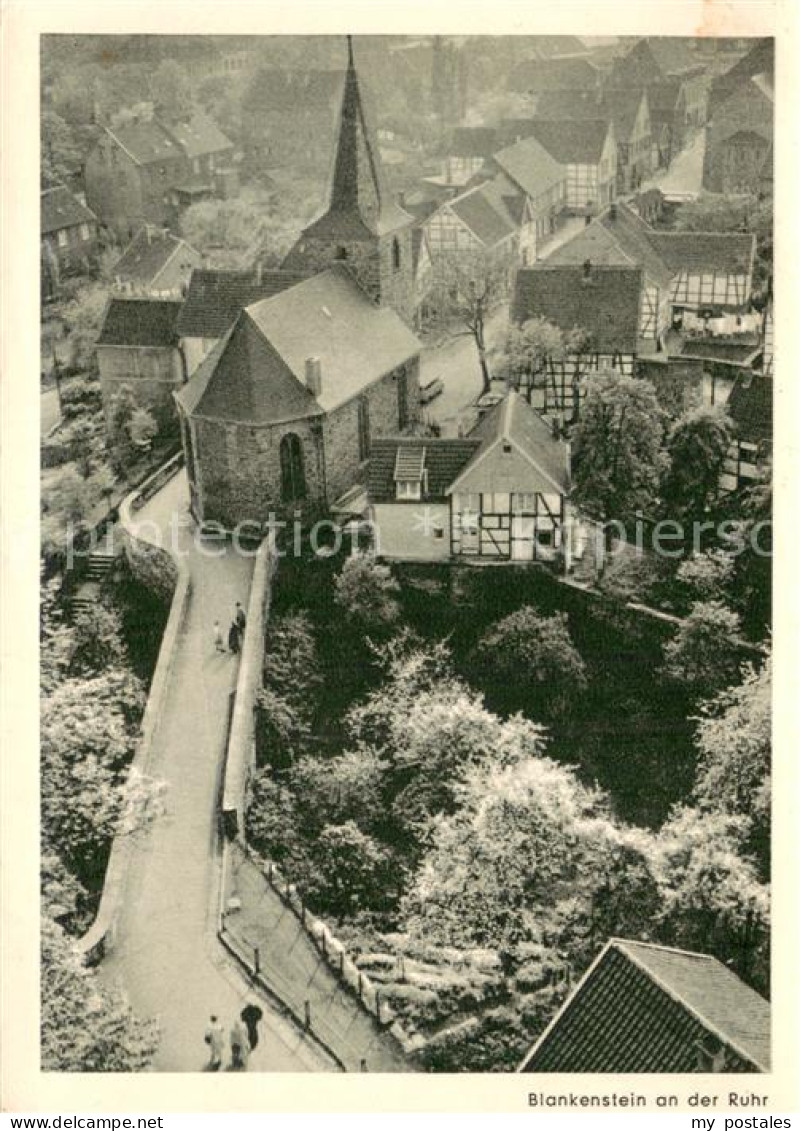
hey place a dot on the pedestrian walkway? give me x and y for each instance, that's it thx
(295, 969)
(166, 956)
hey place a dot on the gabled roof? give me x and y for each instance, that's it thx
(486, 212)
(572, 142)
(199, 136)
(145, 141)
(536, 75)
(216, 298)
(60, 209)
(730, 253)
(622, 106)
(624, 241)
(513, 420)
(258, 374)
(530, 167)
(647, 1008)
(443, 460)
(749, 406)
(140, 322)
(603, 301)
(760, 59)
(148, 253)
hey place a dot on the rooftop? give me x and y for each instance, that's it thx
(148, 254)
(536, 75)
(60, 209)
(749, 406)
(572, 142)
(647, 1008)
(199, 136)
(488, 212)
(140, 322)
(215, 298)
(530, 167)
(440, 461)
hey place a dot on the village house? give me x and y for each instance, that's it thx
(588, 151)
(280, 415)
(739, 140)
(467, 150)
(646, 1008)
(499, 494)
(214, 301)
(143, 171)
(68, 237)
(491, 220)
(758, 59)
(543, 181)
(534, 76)
(155, 263)
(750, 407)
(288, 117)
(603, 302)
(137, 349)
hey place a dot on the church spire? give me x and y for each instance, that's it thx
(357, 185)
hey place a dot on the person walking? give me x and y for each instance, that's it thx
(219, 643)
(240, 1046)
(251, 1015)
(215, 1039)
(241, 619)
(233, 637)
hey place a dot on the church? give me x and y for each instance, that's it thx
(280, 415)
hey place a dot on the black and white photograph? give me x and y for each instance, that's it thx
(406, 554)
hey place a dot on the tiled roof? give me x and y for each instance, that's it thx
(215, 298)
(148, 254)
(199, 136)
(603, 301)
(444, 459)
(646, 1008)
(258, 376)
(530, 166)
(140, 322)
(726, 252)
(624, 241)
(146, 142)
(553, 74)
(749, 406)
(472, 141)
(572, 142)
(486, 213)
(60, 209)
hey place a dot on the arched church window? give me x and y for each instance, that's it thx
(293, 479)
(363, 429)
(395, 254)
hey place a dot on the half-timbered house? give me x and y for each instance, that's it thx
(492, 219)
(500, 494)
(711, 271)
(543, 181)
(588, 151)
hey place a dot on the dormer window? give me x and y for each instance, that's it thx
(409, 489)
(409, 472)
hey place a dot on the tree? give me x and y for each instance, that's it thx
(143, 428)
(83, 317)
(707, 576)
(61, 152)
(532, 660)
(712, 898)
(366, 590)
(333, 791)
(734, 741)
(237, 233)
(352, 871)
(703, 655)
(467, 286)
(272, 825)
(697, 446)
(97, 641)
(533, 348)
(292, 679)
(618, 456)
(85, 1026)
(171, 90)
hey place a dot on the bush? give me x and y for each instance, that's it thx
(366, 590)
(704, 655)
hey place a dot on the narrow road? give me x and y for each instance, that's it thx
(167, 957)
(685, 173)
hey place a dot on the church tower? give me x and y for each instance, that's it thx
(362, 228)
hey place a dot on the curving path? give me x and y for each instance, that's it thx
(166, 954)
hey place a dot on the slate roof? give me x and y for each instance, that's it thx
(749, 406)
(536, 75)
(530, 167)
(444, 460)
(145, 141)
(60, 209)
(199, 136)
(625, 241)
(726, 252)
(604, 302)
(215, 298)
(486, 212)
(140, 322)
(148, 254)
(572, 142)
(257, 374)
(647, 1008)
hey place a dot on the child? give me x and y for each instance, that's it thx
(218, 641)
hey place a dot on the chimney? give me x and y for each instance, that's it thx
(612, 211)
(587, 270)
(314, 376)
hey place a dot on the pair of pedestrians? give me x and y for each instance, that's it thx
(235, 632)
(243, 1039)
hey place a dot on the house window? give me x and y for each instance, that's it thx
(63, 239)
(395, 254)
(409, 489)
(84, 231)
(363, 429)
(293, 480)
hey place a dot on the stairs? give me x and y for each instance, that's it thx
(100, 563)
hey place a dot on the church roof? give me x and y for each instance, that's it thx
(360, 203)
(257, 374)
(215, 298)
